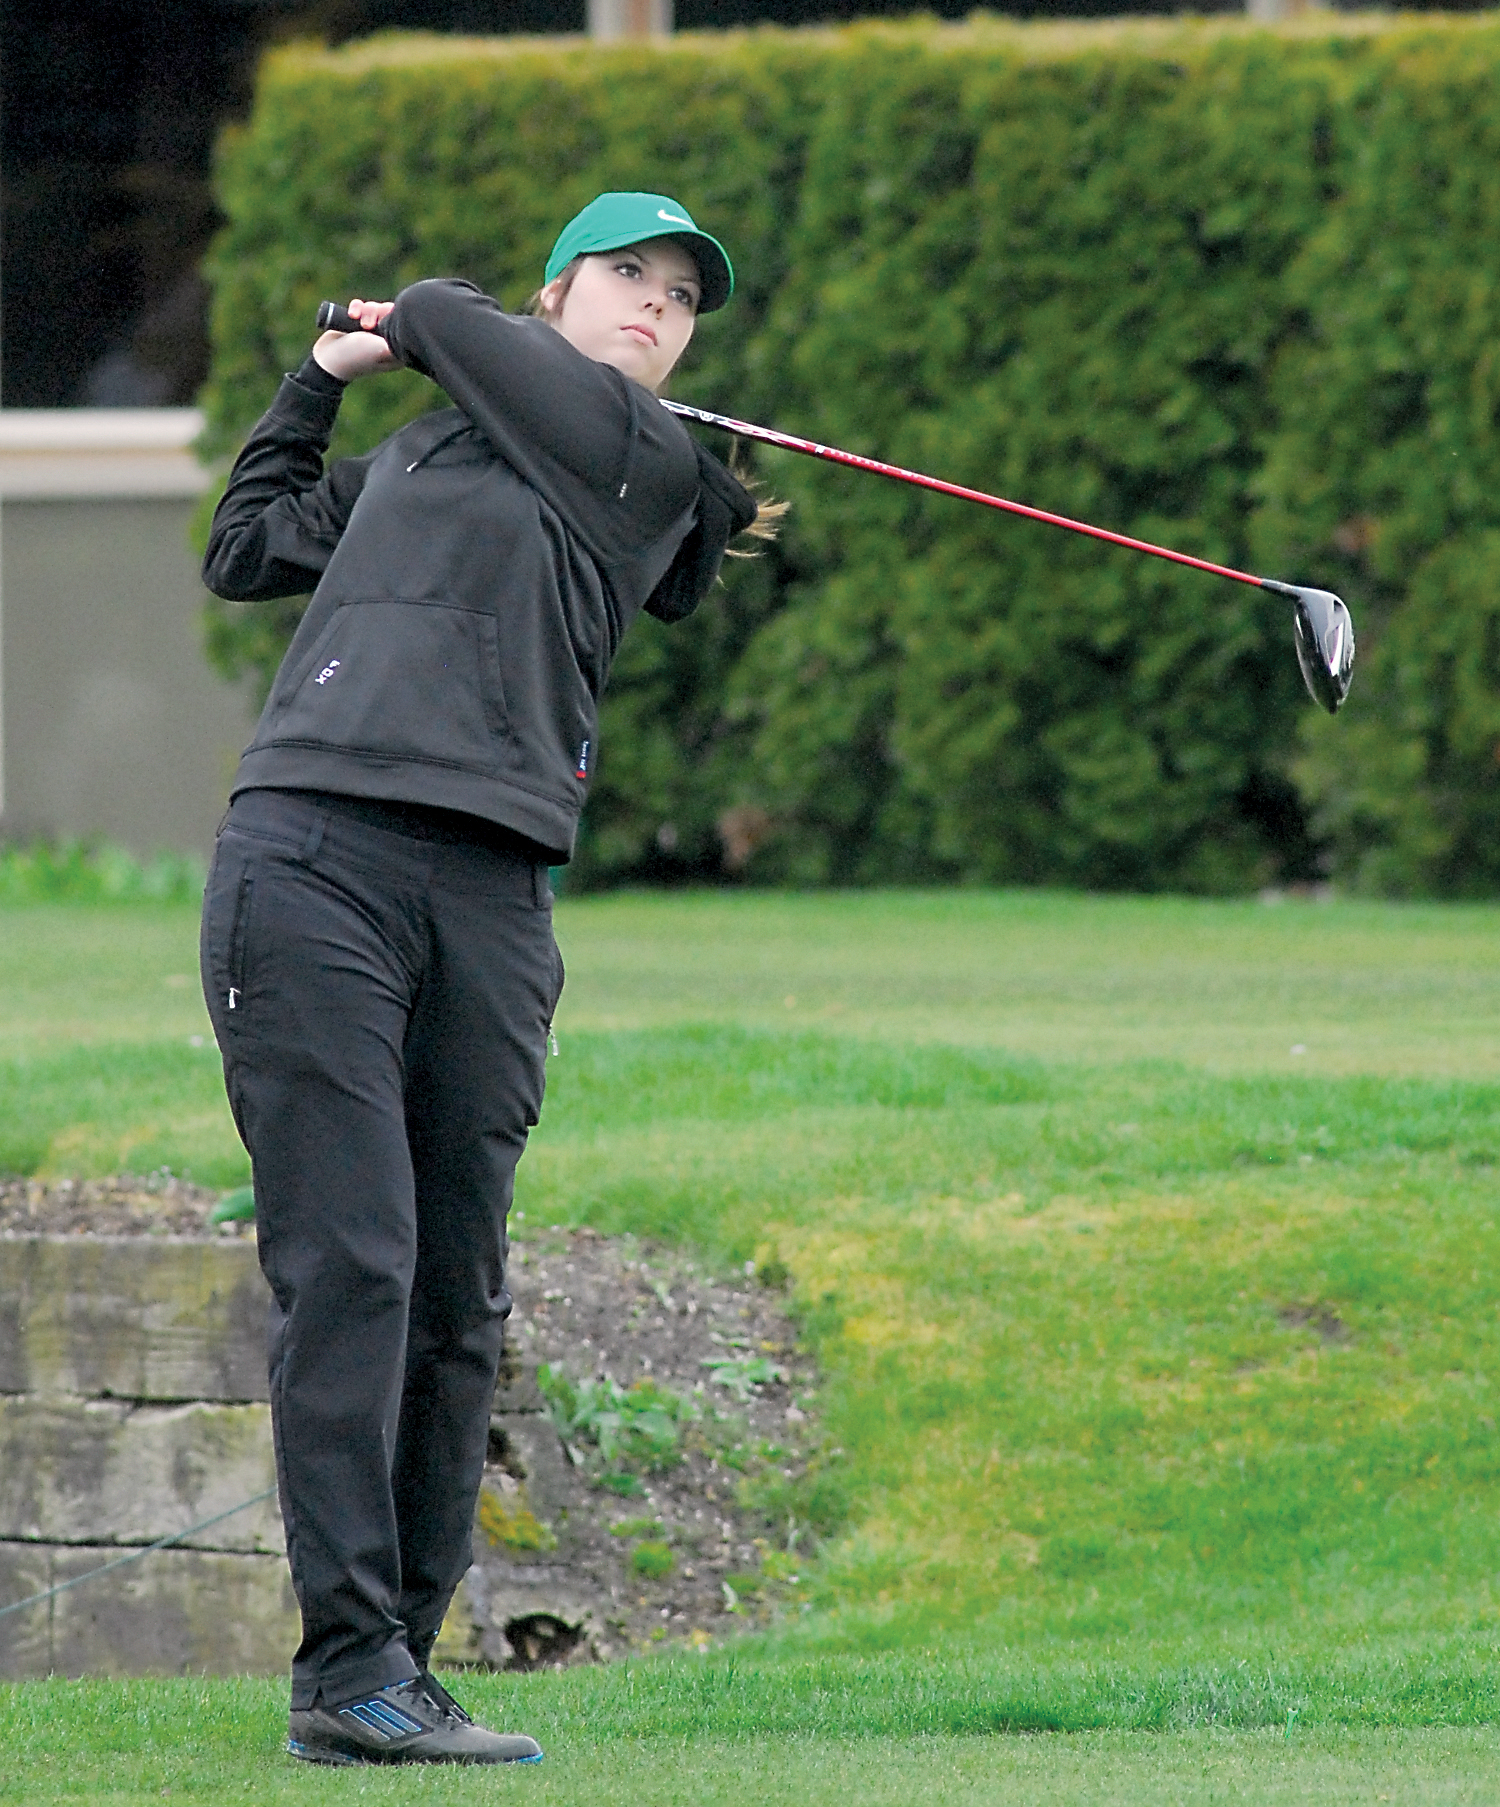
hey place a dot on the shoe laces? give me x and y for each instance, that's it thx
(442, 1699)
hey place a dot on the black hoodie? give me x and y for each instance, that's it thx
(474, 573)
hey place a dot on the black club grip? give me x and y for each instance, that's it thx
(335, 319)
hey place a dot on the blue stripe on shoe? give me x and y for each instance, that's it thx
(364, 1717)
(377, 1716)
(403, 1722)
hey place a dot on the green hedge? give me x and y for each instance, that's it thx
(1386, 467)
(1225, 288)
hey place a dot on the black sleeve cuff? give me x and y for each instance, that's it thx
(306, 406)
(312, 375)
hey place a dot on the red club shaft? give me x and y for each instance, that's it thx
(791, 443)
(332, 316)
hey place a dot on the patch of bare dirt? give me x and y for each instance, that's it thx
(1321, 1318)
(129, 1205)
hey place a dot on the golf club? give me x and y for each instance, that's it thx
(1321, 627)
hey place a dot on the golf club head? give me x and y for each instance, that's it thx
(1325, 643)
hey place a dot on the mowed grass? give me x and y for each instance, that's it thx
(708, 1732)
(1222, 986)
(1233, 986)
(107, 1060)
(1160, 1358)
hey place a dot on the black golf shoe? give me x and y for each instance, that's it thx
(415, 1721)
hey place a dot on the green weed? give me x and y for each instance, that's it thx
(640, 1423)
(623, 1486)
(636, 1527)
(742, 1374)
(652, 1559)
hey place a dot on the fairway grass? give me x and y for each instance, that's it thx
(74, 975)
(1155, 1355)
(120, 1107)
(1218, 985)
(644, 1735)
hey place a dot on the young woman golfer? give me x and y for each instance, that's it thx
(377, 933)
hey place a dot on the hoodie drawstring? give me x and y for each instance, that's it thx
(437, 446)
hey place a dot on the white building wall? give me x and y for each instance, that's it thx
(610, 20)
(112, 724)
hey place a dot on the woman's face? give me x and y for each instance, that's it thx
(634, 309)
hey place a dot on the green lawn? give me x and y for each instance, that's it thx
(1149, 1247)
(1220, 986)
(1224, 986)
(709, 1733)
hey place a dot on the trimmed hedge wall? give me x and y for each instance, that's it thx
(1228, 289)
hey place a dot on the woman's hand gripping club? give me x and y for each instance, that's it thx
(354, 346)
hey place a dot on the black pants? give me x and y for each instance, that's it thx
(382, 1001)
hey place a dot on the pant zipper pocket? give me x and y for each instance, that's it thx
(238, 932)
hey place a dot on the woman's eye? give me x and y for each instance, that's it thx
(628, 269)
(684, 298)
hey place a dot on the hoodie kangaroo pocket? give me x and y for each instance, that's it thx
(402, 680)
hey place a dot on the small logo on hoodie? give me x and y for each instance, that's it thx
(327, 672)
(582, 768)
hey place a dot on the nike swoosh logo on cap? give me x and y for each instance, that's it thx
(675, 218)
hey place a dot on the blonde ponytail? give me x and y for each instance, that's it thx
(768, 514)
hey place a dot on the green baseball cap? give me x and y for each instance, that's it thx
(612, 220)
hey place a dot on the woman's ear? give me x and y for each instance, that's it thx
(550, 298)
